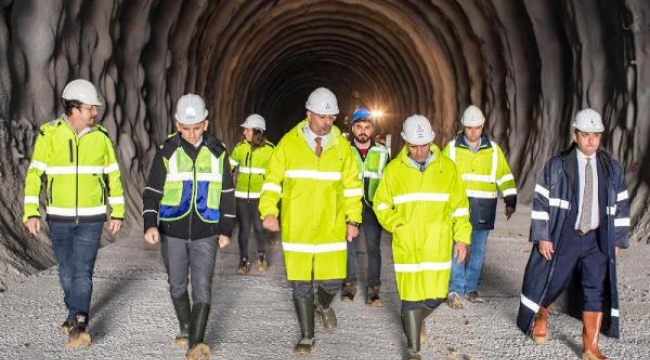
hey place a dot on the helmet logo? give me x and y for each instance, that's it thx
(190, 112)
(327, 105)
(419, 132)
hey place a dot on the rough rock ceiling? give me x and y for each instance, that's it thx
(529, 64)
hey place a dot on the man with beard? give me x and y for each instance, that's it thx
(371, 158)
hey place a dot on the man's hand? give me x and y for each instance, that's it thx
(223, 241)
(270, 223)
(546, 249)
(351, 232)
(33, 225)
(509, 212)
(152, 236)
(460, 252)
(617, 252)
(114, 226)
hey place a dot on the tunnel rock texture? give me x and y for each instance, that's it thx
(529, 64)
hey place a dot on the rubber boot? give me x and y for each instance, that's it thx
(305, 311)
(322, 303)
(590, 332)
(184, 314)
(197, 349)
(540, 326)
(412, 322)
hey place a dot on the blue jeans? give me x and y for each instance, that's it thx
(466, 276)
(75, 246)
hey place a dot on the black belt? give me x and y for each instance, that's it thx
(582, 233)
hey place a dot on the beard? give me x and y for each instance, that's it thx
(362, 138)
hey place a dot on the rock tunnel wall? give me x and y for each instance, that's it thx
(529, 64)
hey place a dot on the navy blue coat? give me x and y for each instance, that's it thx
(552, 204)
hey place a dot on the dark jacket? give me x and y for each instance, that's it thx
(553, 201)
(190, 227)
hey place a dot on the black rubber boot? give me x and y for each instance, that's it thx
(305, 310)
(322, 303)
(197, 349)
(184, 314)
(412, 322)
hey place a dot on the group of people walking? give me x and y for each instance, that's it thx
(438, 204)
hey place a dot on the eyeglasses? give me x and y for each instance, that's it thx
(90, 107)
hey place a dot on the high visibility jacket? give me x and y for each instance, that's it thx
(371, 168)
(252, 168)
(81, 172)
(483, 172)
(319, 194)
(426, 211)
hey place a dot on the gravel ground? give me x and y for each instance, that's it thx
(253, 316)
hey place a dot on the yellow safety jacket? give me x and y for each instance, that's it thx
(483, 172)
(319, 194)
(371, 168)
(426, 211)
(81, 172)
(252, 168)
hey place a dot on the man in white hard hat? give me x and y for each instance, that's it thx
(580, 221)
(77, 159)
(189, 207)
(313, 171)
(421, 200)
(484, 170)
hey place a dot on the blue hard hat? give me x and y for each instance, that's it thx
(361, 113)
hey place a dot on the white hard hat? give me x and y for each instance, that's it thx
(190, 109)
(83, 91)
(417, 130)
(588, 120)
(473, 116)
(254, 121)
(322, 102)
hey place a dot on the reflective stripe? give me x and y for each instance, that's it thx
(233, 162)
(314, 248)
(452, 150)
(460, 212)
(173, 163)
(611, 210)
(562, 204)
(353, 192)
(272, 187)
(371, 175)
(542, 191)
(179, 176)
(478, 178)
(71, 170)
(400, 199)
(622, 222)
(529, 303)
(114, 200)
(38, 165)
(214, 177)
(382, 206)
(148, 211)
(154, 190)
(510, 192)
(539, 215)
(481, 194)
(247, 195)
(622, 196)
(31, 200)
(227, 190)
(495, 159)
(312, 174)
(504, 178)
(74, 212)
(246, 170)
(614, 312)
(425, 266)
(112, 168)
(229, 216)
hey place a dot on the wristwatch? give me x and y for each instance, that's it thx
(355, 224)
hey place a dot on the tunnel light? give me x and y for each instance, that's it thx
(378, 113)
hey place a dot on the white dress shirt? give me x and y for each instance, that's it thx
(311, 136)
(582, 161)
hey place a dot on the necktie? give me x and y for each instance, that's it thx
(318, 149)
(587, 199)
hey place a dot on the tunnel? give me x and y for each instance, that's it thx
(528, 64)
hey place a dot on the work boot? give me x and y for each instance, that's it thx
(79, 336)
(198, 350)
(65, 328)
(184, 315)
(243, 267)
(474, 297)
(262, 265)
(413, 325)
(373, 297)
(590, 332)
(540, 326)
(322, 303)
(349, 291)
(454, 301)
(305, 310)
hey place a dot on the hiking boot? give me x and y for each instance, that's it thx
(373, 297)
(474, 297)
(79, 336)
(243, 267)
(262, 265)
(65, 328)
(454, 301)
(349, 291)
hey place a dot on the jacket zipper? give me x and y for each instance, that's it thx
(249, 164)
